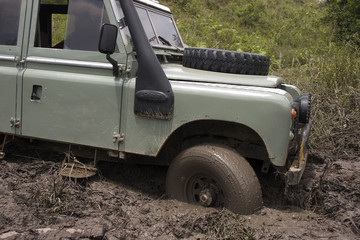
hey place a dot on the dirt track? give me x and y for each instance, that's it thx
(128, 202)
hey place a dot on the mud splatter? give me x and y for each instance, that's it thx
(129, 202)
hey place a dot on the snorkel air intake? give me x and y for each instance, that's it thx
(154, 97)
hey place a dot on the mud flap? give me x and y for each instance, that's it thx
(295, 172)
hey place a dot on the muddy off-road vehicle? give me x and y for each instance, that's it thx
(113, 80)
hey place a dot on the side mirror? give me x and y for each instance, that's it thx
(107, 44)
(107, 41)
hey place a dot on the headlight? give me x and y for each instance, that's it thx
(302, 106)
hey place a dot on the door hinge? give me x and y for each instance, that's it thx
(122, 67)
(19, 62)
(118, 137)
(14, 122)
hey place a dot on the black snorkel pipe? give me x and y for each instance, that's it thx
(154, 97)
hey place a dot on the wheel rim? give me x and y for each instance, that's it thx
(204, 190)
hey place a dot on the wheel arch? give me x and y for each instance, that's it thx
(242, 138)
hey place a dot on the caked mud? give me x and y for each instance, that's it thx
(129, 202)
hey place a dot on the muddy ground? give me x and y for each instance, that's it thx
(129, 202)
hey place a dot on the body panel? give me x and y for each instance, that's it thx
(77, 100)
(267, 112)
(10, 74)
(8, 78)
(74, 107)
(154, 4)
(178, 72)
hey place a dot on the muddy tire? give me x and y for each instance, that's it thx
(214, 176)
(226, 61)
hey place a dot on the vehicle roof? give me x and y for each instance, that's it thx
(155, 4)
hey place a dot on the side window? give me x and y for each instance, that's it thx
(9, 21)
(73, 24)
(51, 24)
(85, 20)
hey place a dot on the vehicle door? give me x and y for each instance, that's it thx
(12, 20)
(69, 92)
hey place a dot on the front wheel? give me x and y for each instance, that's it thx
(214, 176)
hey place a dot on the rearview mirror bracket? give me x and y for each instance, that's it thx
(107, 44)
(115, 65)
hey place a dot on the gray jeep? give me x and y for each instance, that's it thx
(113, 80)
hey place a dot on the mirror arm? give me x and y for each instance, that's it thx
(114, 63)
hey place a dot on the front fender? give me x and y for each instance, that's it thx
(265, 110)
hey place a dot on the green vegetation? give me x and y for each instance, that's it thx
(59, 22)
(287, 31)
(346, 17)
(312, 44)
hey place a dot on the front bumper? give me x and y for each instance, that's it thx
(296, 170)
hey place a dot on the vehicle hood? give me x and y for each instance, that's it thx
(180, 73)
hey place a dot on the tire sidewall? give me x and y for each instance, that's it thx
(208, 160)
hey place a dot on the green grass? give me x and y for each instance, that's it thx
(287, 31)
(333, 80)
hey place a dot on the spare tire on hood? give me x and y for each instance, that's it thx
(226, 61)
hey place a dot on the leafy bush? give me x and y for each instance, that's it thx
(346, 17)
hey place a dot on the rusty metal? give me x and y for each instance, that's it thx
(2, 146)
(296, 170)
(207, 197)
(118, 137)
(14, 122)
(73, 168)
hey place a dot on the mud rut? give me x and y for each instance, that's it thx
(129, 202)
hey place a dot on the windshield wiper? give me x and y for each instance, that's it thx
(166, 42)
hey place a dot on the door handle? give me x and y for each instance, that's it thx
(36, 93)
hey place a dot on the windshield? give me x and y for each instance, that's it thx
(159, 26)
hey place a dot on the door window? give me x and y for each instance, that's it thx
(73, 24)
(9, 21)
